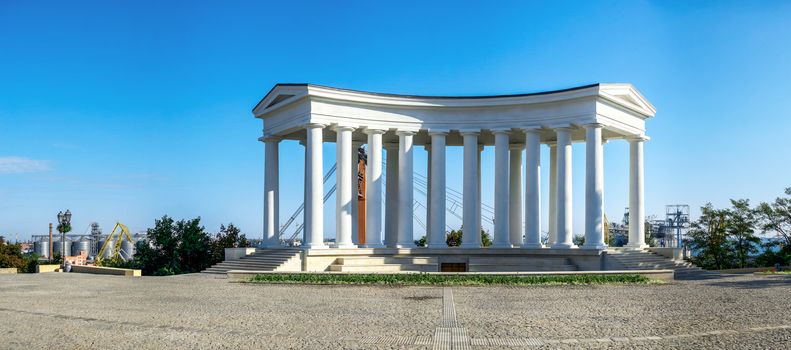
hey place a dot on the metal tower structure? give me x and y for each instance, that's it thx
(677, 217)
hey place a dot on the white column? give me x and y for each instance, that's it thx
(437, 191)
(405, 188)
(636, 199)
(271, 194)
(594, 188)
(343, 189)
(355, 192)
(471, 235)
(533, 189)
(480, 197)
(515, 195)
(314, 189)
(391, 196)
(553, 194)
(428, 193)
(373, 190)
(564, 203)
(502, 237)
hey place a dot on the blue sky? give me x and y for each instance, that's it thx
(131, 110)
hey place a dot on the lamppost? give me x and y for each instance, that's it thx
(64, 221)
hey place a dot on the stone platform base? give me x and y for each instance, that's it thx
(452, 260)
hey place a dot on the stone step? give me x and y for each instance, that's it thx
(380, 260)
(230, 265)
(518, 268)
(267, 258)
(385, 268)
(519, 261)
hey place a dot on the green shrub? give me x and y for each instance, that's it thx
(443, 280)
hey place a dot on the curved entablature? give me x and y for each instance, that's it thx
(288, 108)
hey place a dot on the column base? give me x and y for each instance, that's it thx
(314, 246)
(344, 245)
(597, 246)
(532, 246)
(270, 246)
(372, 245)
(564, 246)
(472, 246)
(636, 246)
(502, 245)
(438, 246)
(404, 245)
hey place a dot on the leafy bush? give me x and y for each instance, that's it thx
(437, 279)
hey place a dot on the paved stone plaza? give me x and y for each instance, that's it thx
(198, 311)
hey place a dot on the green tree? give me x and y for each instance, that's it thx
(741, 230)
(708, 238)
(174, 248)
(454, 238)
(775, 218)
(11, 256)
(229, 237)
(421, 242)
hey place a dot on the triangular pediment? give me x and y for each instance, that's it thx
(627, 95)
(278, 95)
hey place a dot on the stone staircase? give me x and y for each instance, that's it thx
(514, 263)
(646, 260)
(261, 260)
(385, 264)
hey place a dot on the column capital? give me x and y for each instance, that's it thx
(472, 132)
(372, 131)
(532, 130)
(563, 128)
(638, 138)
(406, 132)
(315, 125)
(592, 125)
(502, 131)
(516, 146)
(271, 138)
(433, 132)
(343, 128)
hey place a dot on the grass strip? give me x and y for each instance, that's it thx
(450, 280)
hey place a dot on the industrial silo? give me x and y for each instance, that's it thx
(57, 247)
(41, 247)
(108, 250)
(127, 250)
(81, 245)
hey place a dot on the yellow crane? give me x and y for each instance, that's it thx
(119, 233)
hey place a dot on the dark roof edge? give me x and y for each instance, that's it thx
(424, 96)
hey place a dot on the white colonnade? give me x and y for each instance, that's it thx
(517, 169)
